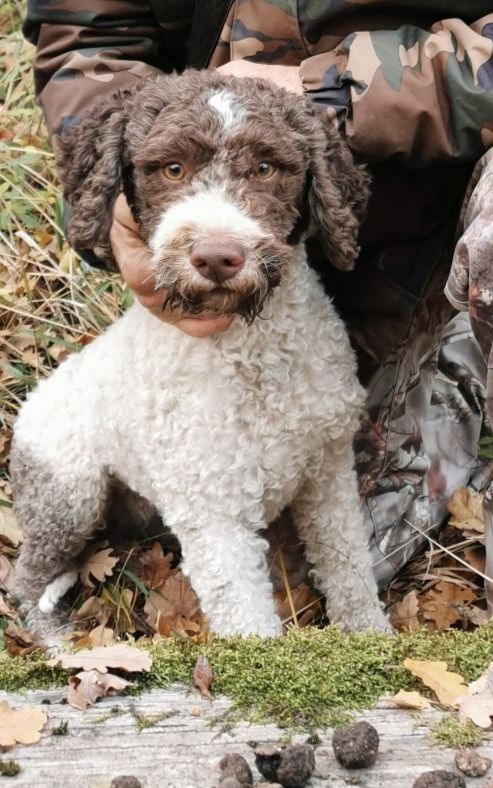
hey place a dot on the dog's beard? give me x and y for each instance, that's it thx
(245, 298)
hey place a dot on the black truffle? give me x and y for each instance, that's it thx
(291, 766)
(125, 782)
(356, 746)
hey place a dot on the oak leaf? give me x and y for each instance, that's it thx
(6, 573)
(466, 508)
(447, 686)
(86, 687)
(99, 636)
(441, 604)
(19, 642)
(21, 726)
(7, 610)
(10, 533)
(174, 606)
(404, 614)
(99, 563)
(156, 566)
(119, 657)
(410, 700)
(477, 704)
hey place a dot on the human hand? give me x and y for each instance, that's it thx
(287, 77)
(134, 262)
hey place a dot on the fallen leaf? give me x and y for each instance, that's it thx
(93, 608)
(21, 726)
(447, 686)
(441, 604)
(404, 614)
(476, 558)
(174, 607)
(7, 610)
(410, 700)
(6, 573)
(19, 642)
(99, 636)
(156, 566)
(10, 533)
(119, 657)
(99, 564)
(477, 704)
(86, 687)
(306, 603)
(466, 508)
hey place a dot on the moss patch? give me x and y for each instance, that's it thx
(451, 733)
(304, 679)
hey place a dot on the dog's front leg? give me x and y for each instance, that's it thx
(328, 517)
(226, 563)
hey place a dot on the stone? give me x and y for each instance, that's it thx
(439, 778)
(235, 765)
(472, 763)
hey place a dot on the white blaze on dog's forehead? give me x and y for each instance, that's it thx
(227, 107)
(208, 211)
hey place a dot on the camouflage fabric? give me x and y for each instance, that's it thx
(413, 95)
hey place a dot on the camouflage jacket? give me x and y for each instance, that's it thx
(405, 84)
(406, 88)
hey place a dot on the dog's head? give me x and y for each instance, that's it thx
(223, 175)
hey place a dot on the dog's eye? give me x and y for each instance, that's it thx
(265, 170)
(174, 172)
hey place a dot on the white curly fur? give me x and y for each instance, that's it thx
(220, 434)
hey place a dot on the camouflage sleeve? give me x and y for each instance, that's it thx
(85, 49)
(415, 94)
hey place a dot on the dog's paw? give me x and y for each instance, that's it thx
(55, 590)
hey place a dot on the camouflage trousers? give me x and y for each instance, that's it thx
(429, 401)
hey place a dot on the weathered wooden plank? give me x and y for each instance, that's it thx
(186, 739)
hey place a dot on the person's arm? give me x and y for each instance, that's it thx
(415, 94)
(84, 50)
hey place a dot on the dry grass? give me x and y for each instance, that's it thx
(50, 303)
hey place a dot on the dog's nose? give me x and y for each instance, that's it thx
(218, 261)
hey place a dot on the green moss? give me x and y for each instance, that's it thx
(451, 733)
(18, 674)
(9, 768)
(308, 678)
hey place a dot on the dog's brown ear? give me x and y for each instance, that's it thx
(90, 161)
(338, 193)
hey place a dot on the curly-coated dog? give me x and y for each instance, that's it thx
(224, 177)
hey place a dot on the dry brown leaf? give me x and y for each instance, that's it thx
(7, 610)
(21, 726)
(477, 704)
(156, 566)
(93, 608)
(447, 686)
(86, 687)
(466, 508)
(476, 558)
(99, 636)
(441, 604)
(6, 573)
(119, 657)
(306, 603)
(203, 676)
(404, 614)
(410, 700)
(174, 607)
(19, 642)
(10, 533)
(99, 563)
